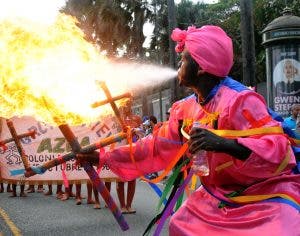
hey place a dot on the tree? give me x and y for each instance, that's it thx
(113, 25)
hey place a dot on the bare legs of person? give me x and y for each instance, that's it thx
(78, 194)
(14, 190)
(68, 193)
(126, 207)
(121, 196)
(40, 188)
(97, 201)
(30, 189)
(59, 191)
(22, 193)
(1, 187)
(49, 192)
(89, 188)
(8, 188)
(130, 195)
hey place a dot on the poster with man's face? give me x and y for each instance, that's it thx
(285, 79)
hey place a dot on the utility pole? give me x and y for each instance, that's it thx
(172, 54)
(248, 45)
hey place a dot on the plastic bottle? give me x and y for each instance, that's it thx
(200, 163)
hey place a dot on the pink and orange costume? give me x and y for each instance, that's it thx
(258, 196)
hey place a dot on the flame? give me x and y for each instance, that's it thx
(50, 70)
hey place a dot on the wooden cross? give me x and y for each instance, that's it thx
(16, 138)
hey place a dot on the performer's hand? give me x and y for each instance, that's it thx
(206, 140)
(92, 157)
(203, 139)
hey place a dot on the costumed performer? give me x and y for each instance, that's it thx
(250, 173)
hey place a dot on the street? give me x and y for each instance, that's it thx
(45, 215)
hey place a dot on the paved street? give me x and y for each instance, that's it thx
(43, 215)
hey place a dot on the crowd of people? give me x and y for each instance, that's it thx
(60, 194)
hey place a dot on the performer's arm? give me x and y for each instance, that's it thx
(269, 152)
(150, 154)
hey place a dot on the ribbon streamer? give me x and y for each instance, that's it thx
(170, 207)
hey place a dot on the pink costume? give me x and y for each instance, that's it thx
(257, 175)
(266, 173)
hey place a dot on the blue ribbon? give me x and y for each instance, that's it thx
(38, 170)
(158, 191)
(17, 172)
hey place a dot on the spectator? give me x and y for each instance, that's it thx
(14, 190)
(149, 126)
(8, 188)
(168, 114)
(31, 188)
(59, 192)
(291, 121)
(133, 121)
(1, 186)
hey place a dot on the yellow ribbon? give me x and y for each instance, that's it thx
(241, 133)
(194, 182)
(256, 198)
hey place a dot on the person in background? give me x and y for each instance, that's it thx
(69, 193)
(8, 188)
(59, 191)
(149, 127)
(291, 121)
(1, 184)
(168, 114)
(133, 121)
(96, 202)
(22, 192)
(31, 188)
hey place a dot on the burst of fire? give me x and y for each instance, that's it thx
(51, 70)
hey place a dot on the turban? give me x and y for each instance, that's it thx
(209, 46)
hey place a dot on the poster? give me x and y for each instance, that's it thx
(49, 144)
(285, 78)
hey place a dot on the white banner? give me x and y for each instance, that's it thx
(49, 144)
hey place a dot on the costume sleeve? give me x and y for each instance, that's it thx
(271, 154)
(152, 153)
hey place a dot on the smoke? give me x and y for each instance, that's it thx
(55, 63)
(136, 76)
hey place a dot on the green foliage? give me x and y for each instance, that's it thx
(226, 14)
(112, 24)
(118, 24)
(190, 14)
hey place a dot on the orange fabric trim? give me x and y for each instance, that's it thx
(182, 151)
(256, 123)
(162, 130)
(187, 189)
(284, 162)
(170, 166)
(223, 166)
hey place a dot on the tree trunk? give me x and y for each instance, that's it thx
(172, 54)
(248, 47)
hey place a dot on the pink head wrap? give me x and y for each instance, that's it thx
(209, 46)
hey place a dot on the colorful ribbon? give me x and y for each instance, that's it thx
(170, 207)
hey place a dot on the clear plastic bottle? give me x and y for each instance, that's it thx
(200, 163)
